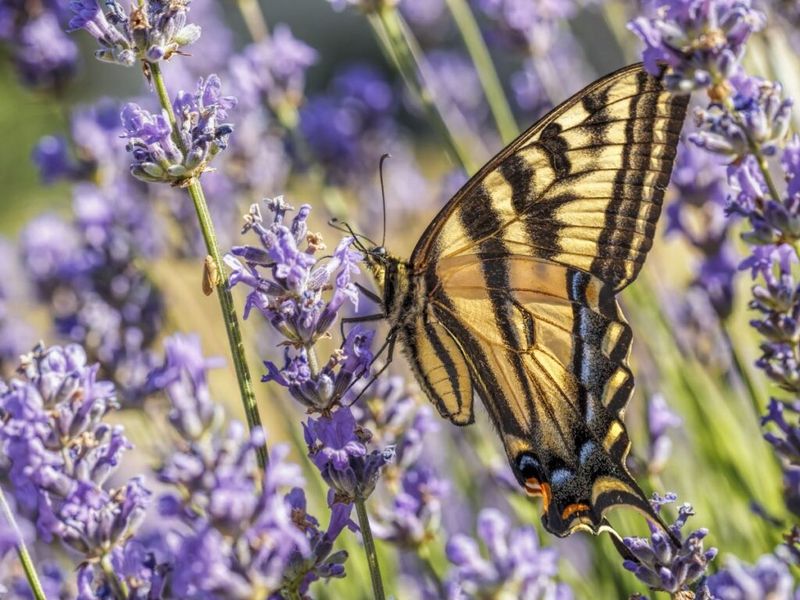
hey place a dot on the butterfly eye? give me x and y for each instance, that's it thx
(379, 251)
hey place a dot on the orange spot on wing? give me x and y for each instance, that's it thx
(534, 487)
(574, 508)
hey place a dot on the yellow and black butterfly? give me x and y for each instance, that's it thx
(510, 292)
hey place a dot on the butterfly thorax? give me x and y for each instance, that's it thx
(393, 277)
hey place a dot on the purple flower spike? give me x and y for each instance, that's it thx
(290, 288)
(273, 71)
(60, 454)
(163, 155)
(516, 565)
(660, 563)
(700, 41)
(153, 32)
(337, 446)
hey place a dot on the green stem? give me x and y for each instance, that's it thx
(393, 36)
(118, 586)
(227, 305)
(253, 19)
(22, 551)
(492, 88)
(741, 369)
(424, 556)
(230, 317)
(369, 549)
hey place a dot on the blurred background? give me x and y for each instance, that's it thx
(694, 418)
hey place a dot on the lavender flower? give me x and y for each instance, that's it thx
(163, 155)
(760, 116)
(351, 124)
(784, 436)
(659, 562)
(700, 41)
(291, 298)
(152, 32)
(241, 535)
(516, 565)
(338, 449)
(768, 578)
(60, 454)
(395, 417)
(777, 302)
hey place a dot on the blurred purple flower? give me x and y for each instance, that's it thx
(784, 436)
(45, 58)
(414, 516)
(700, 41)
(273, 72)
(516, 565)
(659, 562)
(88, 274)
(337, 447)
(768, 578)
(455, 78)
(660, 419)
(151, 32)
(531, 26)
(200, 134)
(350, 125)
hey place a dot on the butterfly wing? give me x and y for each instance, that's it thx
(520, 271)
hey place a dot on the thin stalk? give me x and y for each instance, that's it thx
(230, 317)
(742, 370)
(22, 551)
(253, 19)
(424, 556)
(227, 305)
(479, 53)
(392, 35)
(118, 587)
(369, 550)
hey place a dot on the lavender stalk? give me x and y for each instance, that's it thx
(22, 550)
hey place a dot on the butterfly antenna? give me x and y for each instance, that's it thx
(383, 195)
(345, 227)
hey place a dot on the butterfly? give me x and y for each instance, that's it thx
(510, 293)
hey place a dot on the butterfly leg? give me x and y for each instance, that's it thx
(388, 345)
(364, 319)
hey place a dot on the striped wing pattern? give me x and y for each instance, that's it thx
(518, 279)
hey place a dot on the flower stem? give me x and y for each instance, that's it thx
(118, 586)
(392, 34)
(223, 288)
(424, 555)
(230, 317)
(369, 549)
(254, 19)
(22, 551)
(492, 88)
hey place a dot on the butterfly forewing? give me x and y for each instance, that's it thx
(512, 290)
